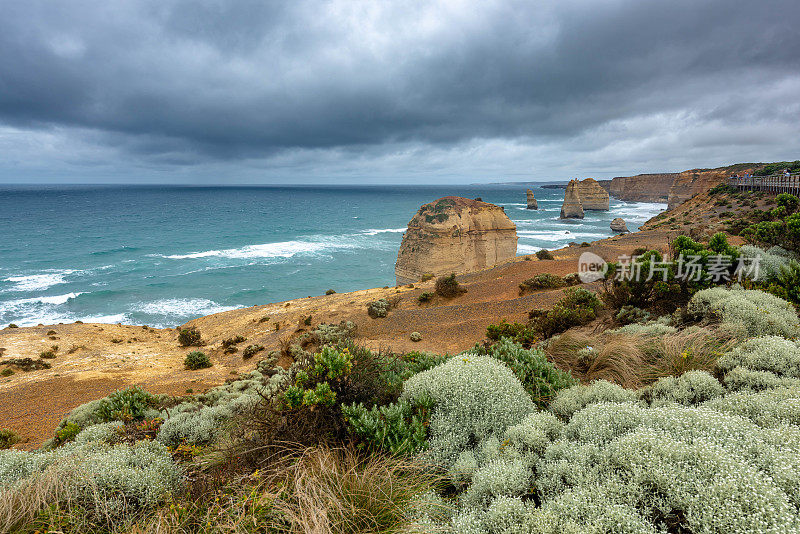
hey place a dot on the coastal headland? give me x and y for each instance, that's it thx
(93, 360)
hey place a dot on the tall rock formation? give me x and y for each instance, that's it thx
(532, 204)
(572, 207)
(593, 197)
(455, 234)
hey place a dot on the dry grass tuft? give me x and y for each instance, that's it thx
(636, 360)
(338, 491)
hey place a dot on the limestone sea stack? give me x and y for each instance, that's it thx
(593, 196)
(532, 204)
(618, 225)
(572, 207)
(455, 235)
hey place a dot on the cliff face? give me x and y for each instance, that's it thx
(640, 188)
(572, 207)
(455, 234)
(593, 197)
(690, 183)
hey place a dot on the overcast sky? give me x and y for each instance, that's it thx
(345, 91)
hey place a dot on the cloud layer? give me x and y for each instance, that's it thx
(254, 91)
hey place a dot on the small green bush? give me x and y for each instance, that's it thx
(378, 308)
(544, 254)
(8, 438)
(252, 350)
(400, 428)
(631, 314)
(190, 337)
(12, 325)
(7, 372)
(540, 378)
(330, 292)
(542, 281)
(425, 297)
(448, 287)
(517, 332)
(196, 360)
(425, 277)
(579, 306)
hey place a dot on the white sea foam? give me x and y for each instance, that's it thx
(38, 282)
(282, 249)
(374, 231)
(560, 235)
(181, 307)
(527, 249)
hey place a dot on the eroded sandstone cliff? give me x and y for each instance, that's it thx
(455, 234)
(640, 188)
(593, 197)
(693, 182)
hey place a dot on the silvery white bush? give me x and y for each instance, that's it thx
(118, 478)
(767, 353)
(755, 312)
(475, 397)
(692, 387)
(769, 261)
(573, 399)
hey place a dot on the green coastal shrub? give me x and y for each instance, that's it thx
(448, 287)
(579, 306)
(131, 404)
(631, 314)
(541, 281)
(400, 428)
(196, 360)
(753, 312)
(540, 378)
(544, 254)
(425, 296)
(517, 332)
(8, 438)
(190, 337)
(378, 308)
(474, 397)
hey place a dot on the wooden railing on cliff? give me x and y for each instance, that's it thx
(775, 183)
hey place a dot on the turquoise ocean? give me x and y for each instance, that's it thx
(162, 255)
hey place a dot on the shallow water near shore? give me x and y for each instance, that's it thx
(162, 255)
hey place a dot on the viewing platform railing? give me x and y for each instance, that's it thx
(775, 183)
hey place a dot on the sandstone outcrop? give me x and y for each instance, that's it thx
(618, 225)
(455, 235)
(640, 188)
(532, 204)
(690, 183)
(593, 197)
(572, 207)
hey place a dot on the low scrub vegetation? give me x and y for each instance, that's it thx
(448, 287)
(653, 418)
(196, 360)
(189, 337)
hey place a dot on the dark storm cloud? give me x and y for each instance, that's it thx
(185, 82)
